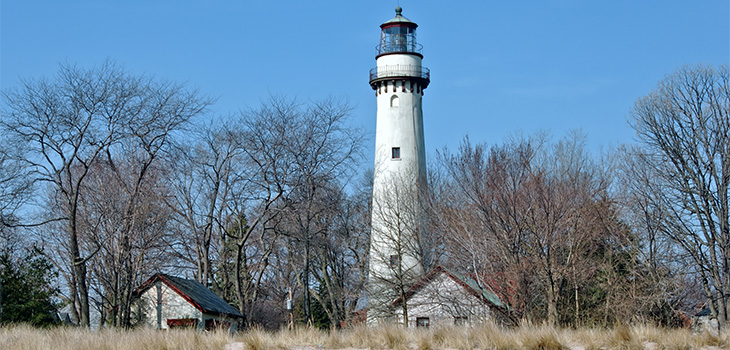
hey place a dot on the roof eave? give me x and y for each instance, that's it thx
(431, 275)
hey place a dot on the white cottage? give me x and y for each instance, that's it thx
(166, 302)
(443, 298)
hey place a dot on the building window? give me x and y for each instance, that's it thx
(394, 261)
(422, 322)
(461, 320)
(394, 101)
(395, 153)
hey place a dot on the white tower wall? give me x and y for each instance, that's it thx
(396, 251)
(399, 125)
(397, 181)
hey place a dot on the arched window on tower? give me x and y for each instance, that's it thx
(394, 101)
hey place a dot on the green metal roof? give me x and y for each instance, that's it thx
(399, 18)
(195, 293)
(484, 292)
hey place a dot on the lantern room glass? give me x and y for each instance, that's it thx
(398, 38)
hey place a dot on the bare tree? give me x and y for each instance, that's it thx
(561, 215)
(684, 127)
(250, 182)
(130, 229)
(207, 176)
(15, 185)
(64, 122)
(267, 172)
(135, 165)
(663, 280)
(480, 209)
(341, 257)
(336, 250)
(70, 122)
(528, 217)
(324, 150)
(398, 249)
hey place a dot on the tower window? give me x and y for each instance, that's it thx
(394, 261)
(395, 101)
(395, 153)
(422, 322)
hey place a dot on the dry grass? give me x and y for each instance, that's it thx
(487, 337)
(25, 337)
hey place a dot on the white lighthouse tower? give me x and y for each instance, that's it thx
(396, 244)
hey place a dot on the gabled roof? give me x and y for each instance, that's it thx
(193, 292)
(704, 312)
(470, 285)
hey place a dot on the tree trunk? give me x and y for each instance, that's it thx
(239, 287)
(577, 322)
(305, 278)
(79, 267)
(404, 306)
(552, 302)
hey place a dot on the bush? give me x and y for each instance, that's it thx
(26, 292)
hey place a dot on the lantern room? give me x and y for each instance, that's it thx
(398, 36)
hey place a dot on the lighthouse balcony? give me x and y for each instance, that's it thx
(399, 71)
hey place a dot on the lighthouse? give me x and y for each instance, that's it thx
(397, 239)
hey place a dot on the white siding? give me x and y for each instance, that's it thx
(442, 300)
(173, 306)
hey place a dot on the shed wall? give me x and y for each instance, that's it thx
(174, 306)
(443, 300)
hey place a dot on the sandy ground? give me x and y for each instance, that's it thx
(240, 346)
(647, 346)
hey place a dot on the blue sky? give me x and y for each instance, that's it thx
(497, 67)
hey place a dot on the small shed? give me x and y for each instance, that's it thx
(166, 302)
(442, 298)
(703, 321)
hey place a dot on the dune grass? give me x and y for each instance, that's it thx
(485, 337)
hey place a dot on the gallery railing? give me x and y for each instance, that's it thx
(392, 71)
